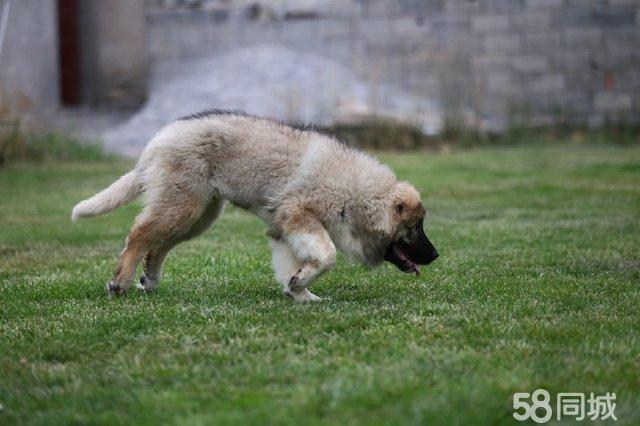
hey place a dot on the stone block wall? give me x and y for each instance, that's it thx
(495, 63)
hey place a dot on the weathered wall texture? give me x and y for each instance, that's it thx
(495, 62)
(113, 52)
(29, 59)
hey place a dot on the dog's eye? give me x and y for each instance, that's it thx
(400, 208)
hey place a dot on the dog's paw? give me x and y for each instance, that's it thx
(114, 290)
(294, 282)
(146, 284)
(302, 296)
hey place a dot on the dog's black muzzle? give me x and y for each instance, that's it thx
(412, 250)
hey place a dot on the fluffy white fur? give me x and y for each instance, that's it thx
(122, 191)
(314, 193)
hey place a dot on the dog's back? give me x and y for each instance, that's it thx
(247, 159)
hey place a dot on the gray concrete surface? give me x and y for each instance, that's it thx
(29, 60)
(114, 56)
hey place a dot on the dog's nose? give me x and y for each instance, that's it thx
(433, 256)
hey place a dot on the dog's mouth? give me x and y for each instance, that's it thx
(409, 252)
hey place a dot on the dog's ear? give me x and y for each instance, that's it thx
(391, 210)
(274, 232)
(406, 206)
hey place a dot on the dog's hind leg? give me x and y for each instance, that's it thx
(153, 260)
(168, 215)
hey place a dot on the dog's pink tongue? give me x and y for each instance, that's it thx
(413, 268)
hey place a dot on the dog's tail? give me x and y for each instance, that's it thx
(123, 191)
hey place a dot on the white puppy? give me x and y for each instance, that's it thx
(314, 193)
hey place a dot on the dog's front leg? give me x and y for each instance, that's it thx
(297, 289)
(302, 256)
(316, 254)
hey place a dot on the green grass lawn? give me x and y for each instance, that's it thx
(537, 286)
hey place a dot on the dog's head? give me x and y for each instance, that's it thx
(407, 246)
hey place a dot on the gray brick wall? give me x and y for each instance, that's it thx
(499, 62)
